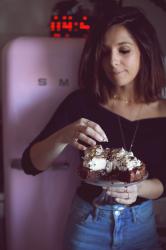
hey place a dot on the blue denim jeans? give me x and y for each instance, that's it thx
(101, 228)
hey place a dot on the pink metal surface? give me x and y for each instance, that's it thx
(37, 74)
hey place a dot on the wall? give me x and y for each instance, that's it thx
(21, 17)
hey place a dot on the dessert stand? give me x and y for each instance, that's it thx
(104, 198)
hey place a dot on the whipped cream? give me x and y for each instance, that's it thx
(123, 160)
(96, 158)
(95, 164)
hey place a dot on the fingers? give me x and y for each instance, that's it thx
(96, 130)
(124, 195)
(92, 129)
(85, 138)
(82, 138)
(87, 133)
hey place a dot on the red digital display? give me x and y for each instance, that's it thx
(69, 26)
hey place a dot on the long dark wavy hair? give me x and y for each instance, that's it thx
(151, 77)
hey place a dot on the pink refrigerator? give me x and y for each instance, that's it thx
(37, 75)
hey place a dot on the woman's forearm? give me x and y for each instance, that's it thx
(43, 153)
(78, 133)
(150, 189)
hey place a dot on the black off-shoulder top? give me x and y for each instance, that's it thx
(149, 145)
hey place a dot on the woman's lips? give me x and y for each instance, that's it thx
(117, 72)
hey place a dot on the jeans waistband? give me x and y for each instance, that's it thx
(136, 212)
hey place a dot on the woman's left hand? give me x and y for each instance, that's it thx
(124, 195)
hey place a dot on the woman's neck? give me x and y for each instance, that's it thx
(125, 95)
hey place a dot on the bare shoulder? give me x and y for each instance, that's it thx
(162, 107)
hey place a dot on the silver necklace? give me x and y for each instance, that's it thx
(115, 98)
(123, 136)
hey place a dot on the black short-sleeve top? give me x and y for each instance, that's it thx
(149, 145)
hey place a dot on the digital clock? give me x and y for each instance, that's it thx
(70, 26)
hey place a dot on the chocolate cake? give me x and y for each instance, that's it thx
(111, 165)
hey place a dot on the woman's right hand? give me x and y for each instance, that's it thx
(81, 133)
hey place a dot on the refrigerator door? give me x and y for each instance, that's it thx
(37, 75)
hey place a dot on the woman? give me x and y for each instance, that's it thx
(121, 78)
